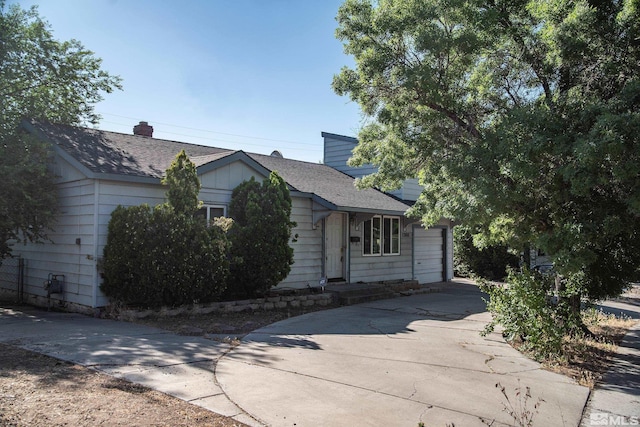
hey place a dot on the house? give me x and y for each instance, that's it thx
(345, 235)
(337, 151)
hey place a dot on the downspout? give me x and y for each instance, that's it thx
(324, 249)
(96, 228)
(348, 244)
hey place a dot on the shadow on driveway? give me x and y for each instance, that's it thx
(392, 362)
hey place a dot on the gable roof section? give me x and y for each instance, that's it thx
(112, 155)
(331, 185)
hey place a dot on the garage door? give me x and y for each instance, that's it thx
(428, 253)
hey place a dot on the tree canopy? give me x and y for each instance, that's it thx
(521, 116)
(40, 78)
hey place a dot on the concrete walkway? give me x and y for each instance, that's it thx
(385, 363)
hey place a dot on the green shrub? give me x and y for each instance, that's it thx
(123, 254)
(526, 312)
(260, 252)
(164, 255)
(154, 257)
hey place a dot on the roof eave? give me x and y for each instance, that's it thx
(339, 137)
(371, 210)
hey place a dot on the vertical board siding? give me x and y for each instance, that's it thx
(307, 250)
(229, 176)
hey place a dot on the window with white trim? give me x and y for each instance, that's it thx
(209, 212)
(381, 236)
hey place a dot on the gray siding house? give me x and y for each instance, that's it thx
(345, 235)
(432, 249)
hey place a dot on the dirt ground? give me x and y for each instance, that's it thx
(39, 391)
(231, 324)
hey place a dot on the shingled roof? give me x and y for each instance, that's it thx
(139, 157)
(104, 152)
(330, 184)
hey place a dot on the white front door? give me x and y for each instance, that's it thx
(334, 246)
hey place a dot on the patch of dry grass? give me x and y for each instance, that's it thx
(587, 358)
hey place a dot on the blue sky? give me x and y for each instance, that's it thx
(240, 74)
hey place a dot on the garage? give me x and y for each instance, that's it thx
(429, 254)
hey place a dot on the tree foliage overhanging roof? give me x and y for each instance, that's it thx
(522, 116)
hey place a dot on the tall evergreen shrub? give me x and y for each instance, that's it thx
(260, 251)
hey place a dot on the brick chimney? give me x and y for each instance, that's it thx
(143, 129)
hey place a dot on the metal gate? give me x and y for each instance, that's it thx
(12, 279)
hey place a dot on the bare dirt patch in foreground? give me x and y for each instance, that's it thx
(38, 390)
(587, 359)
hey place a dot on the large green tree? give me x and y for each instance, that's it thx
(40, 78)
(521, 116)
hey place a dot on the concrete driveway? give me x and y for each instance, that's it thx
(395, 362)
(387, 363)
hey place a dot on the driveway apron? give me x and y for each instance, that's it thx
(395, 362)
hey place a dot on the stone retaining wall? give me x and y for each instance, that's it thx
(268, 303)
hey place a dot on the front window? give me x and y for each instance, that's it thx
(381, 236)
(372, 236)
(391, 236)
